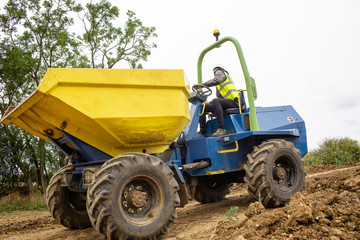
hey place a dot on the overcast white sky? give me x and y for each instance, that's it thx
(301, 53)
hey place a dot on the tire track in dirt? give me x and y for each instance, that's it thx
(331, 172)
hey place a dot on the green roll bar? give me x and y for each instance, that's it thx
(249, 81)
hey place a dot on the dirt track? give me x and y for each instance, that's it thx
(329, 208)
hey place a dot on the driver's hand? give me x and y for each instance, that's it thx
(197, 86)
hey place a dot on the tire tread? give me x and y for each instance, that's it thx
(256, 171)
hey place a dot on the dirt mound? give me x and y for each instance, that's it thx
(328, 208)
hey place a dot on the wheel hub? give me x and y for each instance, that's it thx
(137, 199)
(279, 173)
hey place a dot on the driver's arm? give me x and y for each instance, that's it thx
(218, 78)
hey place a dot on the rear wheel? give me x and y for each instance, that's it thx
(133, 196)
(67, 207)
(274, 172)
(210, 190)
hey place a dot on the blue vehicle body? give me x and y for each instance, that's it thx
(228, 153)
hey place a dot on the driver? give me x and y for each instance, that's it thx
(226, 94)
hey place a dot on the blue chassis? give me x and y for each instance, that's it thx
(275, 122)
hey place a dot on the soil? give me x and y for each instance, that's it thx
(328, 208)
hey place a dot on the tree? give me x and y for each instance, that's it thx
(108, 44)
(9, 172)
(14, 81)
(44, 41)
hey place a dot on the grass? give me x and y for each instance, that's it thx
(15, 201)
(231, 213)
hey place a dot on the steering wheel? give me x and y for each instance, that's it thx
(205, 93)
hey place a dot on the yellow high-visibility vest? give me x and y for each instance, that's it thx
(227, 88)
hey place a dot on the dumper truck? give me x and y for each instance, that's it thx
(136, 155)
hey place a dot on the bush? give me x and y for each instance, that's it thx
(335, 151)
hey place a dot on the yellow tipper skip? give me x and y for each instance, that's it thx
(114, 110)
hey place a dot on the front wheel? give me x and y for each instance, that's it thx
(133, 196)
(274, 172)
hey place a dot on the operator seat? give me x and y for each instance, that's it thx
(242, 105)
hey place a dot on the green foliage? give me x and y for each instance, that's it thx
(41, 29)
(231, 213)
(260, 198)
(108, 44)
(11, 147)
(335, 151)
(15, 80)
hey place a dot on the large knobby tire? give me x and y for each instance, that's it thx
(274, 172)
(67, 207)
(133, 196)
(210, 190)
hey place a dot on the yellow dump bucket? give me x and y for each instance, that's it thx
(113, 110)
